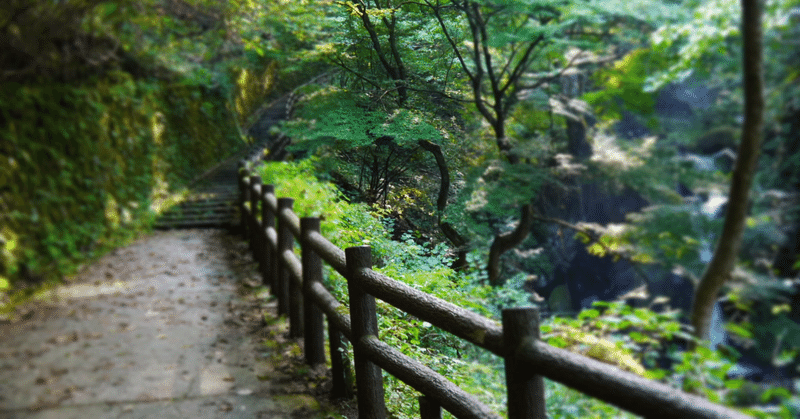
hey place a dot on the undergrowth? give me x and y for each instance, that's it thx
(638, 340)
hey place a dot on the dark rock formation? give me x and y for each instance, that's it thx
(580, 278)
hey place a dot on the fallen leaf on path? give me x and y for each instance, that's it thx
(62, 339)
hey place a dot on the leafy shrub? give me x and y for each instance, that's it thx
(618, 334)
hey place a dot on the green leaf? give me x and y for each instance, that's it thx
(558, 342)
(596, 249)
(775, 393)
(734, 384)
(588, 314)
(657, 374)
(107, 9)
(739, 330)
(405, 126)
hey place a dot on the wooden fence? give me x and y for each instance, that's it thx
(272, 228)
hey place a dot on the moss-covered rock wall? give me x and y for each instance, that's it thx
(84, 163)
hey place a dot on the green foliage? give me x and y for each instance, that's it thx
(616, 333)
(487, 194)
(706, 42)
(297, 34)
(421, 266)
(366, 149)
(45, 39)
(631, 338)
(620, 87)
(334, 116)
(647, 13)
(674, 235)
(137, 106)
(713, 24)
(345, 224)
(702, 371)
(611, 332)
(94, 175)
(765, 327)
(407, 127)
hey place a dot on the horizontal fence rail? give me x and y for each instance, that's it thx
(273, 229)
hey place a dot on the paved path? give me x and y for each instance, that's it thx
(158, 329)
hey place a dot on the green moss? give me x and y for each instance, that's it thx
(83, 164)
(294, 402)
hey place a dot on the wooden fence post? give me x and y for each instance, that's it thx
(364, 321)
(243, 197)
(312, 273)
(429, 408)
(285, 242)
(267, 221)
(255, 236)
(296, 322)
(341, 387)
(525, 388)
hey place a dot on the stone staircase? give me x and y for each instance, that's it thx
(212, 203)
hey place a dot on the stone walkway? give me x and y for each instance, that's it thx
(159, 329)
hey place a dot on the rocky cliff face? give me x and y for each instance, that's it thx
(579, 278)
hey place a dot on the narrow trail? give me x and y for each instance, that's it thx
(170, 326)
(164, 328)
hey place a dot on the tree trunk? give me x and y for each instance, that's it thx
(499, 79)
(397, 71)
(456, 239)
(721, 266)
(507, 241)
(444, 173)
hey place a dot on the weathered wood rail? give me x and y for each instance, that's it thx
(272, 229)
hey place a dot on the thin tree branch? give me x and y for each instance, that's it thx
(450, 40)
(522, 64)
(341, 64)
(376, 43)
